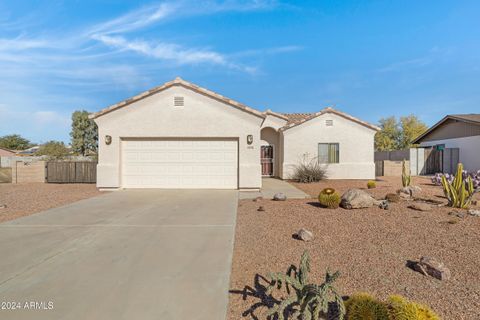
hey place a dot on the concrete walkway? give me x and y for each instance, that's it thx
(271, 186)
(139, 254)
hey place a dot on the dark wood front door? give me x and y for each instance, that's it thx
(266, 158)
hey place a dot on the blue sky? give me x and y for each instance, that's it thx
(369, 58)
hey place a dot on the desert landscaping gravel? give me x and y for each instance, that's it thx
(371, 248)
(25, 199)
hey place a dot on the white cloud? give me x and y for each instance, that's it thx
(165, 51)
(135, 20)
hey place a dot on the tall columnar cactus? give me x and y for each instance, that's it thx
(460, 191)
(406, 178)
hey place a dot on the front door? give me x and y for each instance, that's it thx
(266, 159)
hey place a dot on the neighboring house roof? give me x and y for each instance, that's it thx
(468, 118)
(296, 119)
(177, 82)
(6, 152)
(29, 151)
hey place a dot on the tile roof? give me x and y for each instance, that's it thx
(177, 82)
(296, 119)
(293, 119)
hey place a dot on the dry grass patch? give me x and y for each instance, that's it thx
(24, 199)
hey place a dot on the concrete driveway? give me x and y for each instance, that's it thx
(136, 254)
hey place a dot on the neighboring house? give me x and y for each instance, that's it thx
(6, 153)
(29, 152)
(460, 131)
(180, 135)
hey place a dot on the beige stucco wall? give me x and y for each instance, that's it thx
(156, 117)
(273, 122)
(356, 146)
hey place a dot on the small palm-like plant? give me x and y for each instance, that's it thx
(309, 301)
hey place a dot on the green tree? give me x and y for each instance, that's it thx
(14, 142)
(411, 127)
(387, 138)
(53, 150)
(398, 135)
(84, 134)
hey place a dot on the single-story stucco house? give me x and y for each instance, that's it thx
(460, 131)
(180, 135)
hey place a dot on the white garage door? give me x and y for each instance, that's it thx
(182, 164)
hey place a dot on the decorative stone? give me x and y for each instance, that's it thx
(356, 199)
(279, 197)
(457, 214)
(384, 204)
(419, 206)
(3, 206)
(409, 192)
(261, 208)
(304, 235)
(474, 212)
(257, 199)
(432, 267)
(393, 197)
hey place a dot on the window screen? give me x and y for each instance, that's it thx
(328, 152)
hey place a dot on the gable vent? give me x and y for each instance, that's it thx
(329, 123)
(178, 102)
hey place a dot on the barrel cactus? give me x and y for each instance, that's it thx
(362, 306)
(371, 184)
(402, 309)
(329, 198)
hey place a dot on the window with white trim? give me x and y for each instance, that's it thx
(328, 152)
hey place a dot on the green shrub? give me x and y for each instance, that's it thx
(362, 306)
(329, 198)
(460, 191)
(309, 301)
(308, 171)
(371, 184)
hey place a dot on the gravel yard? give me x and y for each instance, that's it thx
(25, 199)
(370, 247)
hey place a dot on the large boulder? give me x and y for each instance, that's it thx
(357, 199)
(432, 267)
